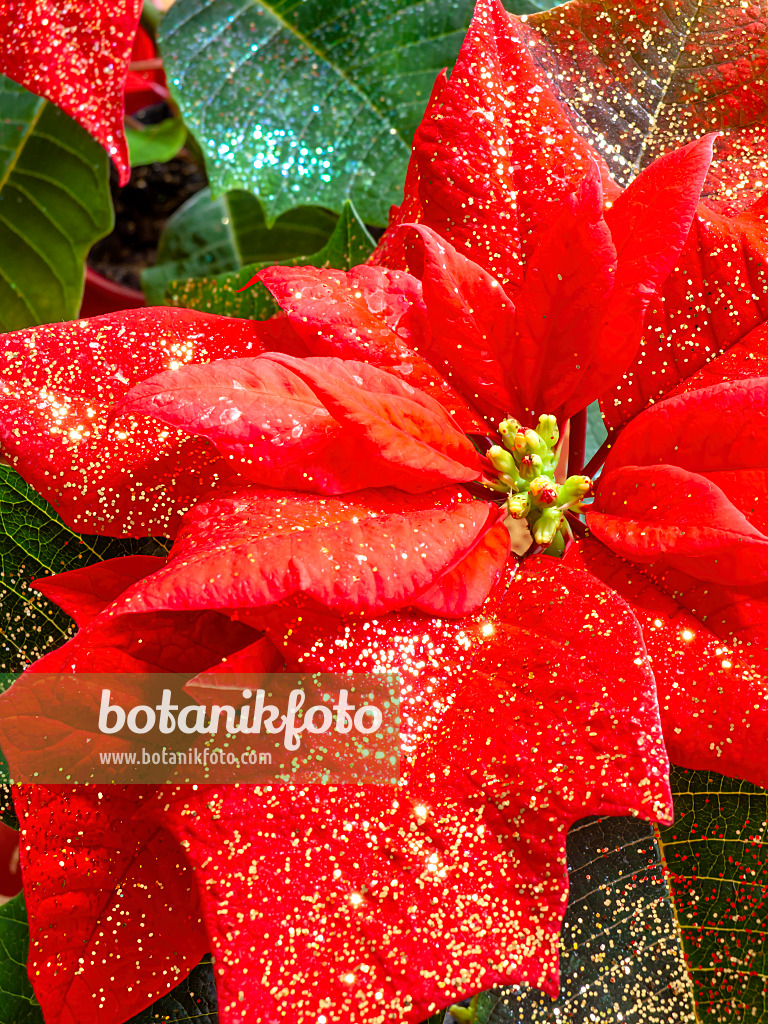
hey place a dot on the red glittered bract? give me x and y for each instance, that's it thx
(370, 551)
(638, 78)
(75, 55)
(340, 424)
(90, 860)
(711, 675)
(59, 383)
(369, 899)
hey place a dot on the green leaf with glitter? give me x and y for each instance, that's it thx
(191, 1002)
(35, 542)
(349, 245)
(54, 204)
(716, 857)
(211, 236)
(17, 1000)
(309, 103)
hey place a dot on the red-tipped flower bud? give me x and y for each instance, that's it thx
(530, 467)
(518, 505)
(543, 490)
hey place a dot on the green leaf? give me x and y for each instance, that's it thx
(208, 236)
(530, 6)
(716, 855)
(17, 1000)
(313, 102)
(192, 1002)
(35, 542)
(155, 143)
(349, 245)
(54, 204)
(309, 103)
(596, 432)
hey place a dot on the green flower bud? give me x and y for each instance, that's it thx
(518, 505)
(508, 429)
(543, 490)
(502, 460)
(574, 490)
(548, 430)
(528, 442)
(530, 467)
(557, 547)
(547, 526)
(465, 1014)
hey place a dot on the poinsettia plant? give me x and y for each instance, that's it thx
(389, 474)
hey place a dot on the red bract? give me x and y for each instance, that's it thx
(336, 518)
(145, 81)
(76, 56)
(470, 850)
(615, 64)
(575, 281)
(59, 385)
(718, 289)
(80, 932)
(330, 425)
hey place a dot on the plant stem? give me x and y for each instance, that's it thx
(576, 525)
(577, 442)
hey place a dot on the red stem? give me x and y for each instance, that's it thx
(577, 443)
(598, 458)
(576, 525)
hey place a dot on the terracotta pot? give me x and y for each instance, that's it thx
(104, 296)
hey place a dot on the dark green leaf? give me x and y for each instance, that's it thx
(54, 204)
(155, 143)
(716, 854)
(349, 245)
(17, 1000)
(35, 542)
(208, 237)
(191, 1002)
(309, 103)
(313, 102)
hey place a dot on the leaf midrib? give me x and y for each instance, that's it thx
(324, 57)
(32, 124)
(636, 167)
